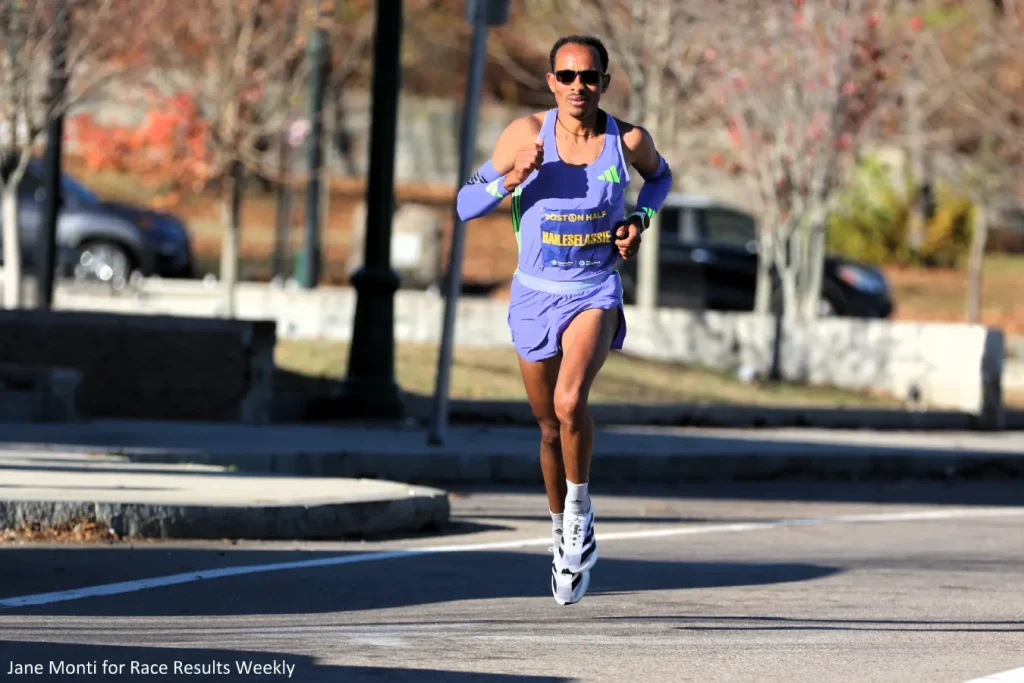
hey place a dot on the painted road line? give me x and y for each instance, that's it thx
(122, 587)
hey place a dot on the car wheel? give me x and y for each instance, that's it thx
(825, 308)
(104, 262)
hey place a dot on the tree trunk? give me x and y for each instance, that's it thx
(788, 274)
(647, 267)
(636, 76)
(231, 213)
(283, 215)
(340, 133)
(918, 172)
(12, 247)
(330, 118)
(979, 239)
(815, 266)
(763, 292)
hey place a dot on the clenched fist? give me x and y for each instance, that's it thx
(627, 236)
(528, 159)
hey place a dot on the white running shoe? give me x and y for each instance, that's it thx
(568, 588)
(578, 550)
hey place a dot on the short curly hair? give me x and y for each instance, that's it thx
(588, 41)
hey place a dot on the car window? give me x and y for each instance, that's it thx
(729, 227)
(76, 192)
(29, 185)
(670, 223)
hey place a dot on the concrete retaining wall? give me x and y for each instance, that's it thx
(150, 367)
(949, 366)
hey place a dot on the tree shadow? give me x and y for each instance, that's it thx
(336, 586)
(908, 490)
(763, 623)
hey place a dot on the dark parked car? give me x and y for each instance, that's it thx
(709, 261)
(97, 239)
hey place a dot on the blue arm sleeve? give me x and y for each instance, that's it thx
(482, 193)
(655, 189)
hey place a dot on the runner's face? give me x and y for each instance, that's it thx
(582, 95)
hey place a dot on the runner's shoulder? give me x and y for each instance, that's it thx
(525, 129)
(632, 135)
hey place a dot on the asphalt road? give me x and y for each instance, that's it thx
(760, 582)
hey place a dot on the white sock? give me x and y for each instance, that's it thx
(577, 499)
(556, 521)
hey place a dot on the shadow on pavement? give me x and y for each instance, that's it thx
(438, 578)
(995, 492)
(158, 664)
(761, 623)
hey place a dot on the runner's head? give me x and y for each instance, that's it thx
(579, 74)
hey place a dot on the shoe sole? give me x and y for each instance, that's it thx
(582, 589)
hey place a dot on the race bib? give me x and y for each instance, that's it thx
(571, 238)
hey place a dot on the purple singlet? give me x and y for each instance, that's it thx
(564, 217)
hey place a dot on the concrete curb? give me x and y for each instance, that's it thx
(732, 462)
(206, 502)
(693, 415)
(316, 522)
(301, 409)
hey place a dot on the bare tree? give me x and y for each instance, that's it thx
(241, 62)
(974, 54)
(662, 48)
(95, 52)
(795, 82)
(998, 105)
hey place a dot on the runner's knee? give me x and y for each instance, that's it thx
(570, 408)
(550, 430)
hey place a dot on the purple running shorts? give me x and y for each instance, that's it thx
(537, 318)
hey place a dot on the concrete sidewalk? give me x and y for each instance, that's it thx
(491, 455)
(54, 490)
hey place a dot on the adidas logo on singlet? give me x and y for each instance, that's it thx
(611, 175)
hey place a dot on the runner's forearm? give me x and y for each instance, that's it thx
(482, 193)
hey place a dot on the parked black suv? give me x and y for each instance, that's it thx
(709, 261)
(101, 240)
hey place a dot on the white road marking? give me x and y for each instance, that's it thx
(122, 587)
(1012, 676)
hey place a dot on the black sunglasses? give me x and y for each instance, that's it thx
(587, 77)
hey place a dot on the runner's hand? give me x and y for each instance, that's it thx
(528, 159)
(627, 237)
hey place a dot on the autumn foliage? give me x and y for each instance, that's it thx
(170, 150)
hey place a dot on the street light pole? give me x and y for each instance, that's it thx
(480, 13)
(370, 389)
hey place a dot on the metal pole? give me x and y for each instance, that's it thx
(285, 195)
(47, 245)
(467, 146)
(318, 50)
(370, 389)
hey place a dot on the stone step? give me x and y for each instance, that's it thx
(31, 393)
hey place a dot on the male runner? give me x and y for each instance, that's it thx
(567, 170)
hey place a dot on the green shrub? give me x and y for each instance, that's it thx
(872, 223)
(872, 218)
